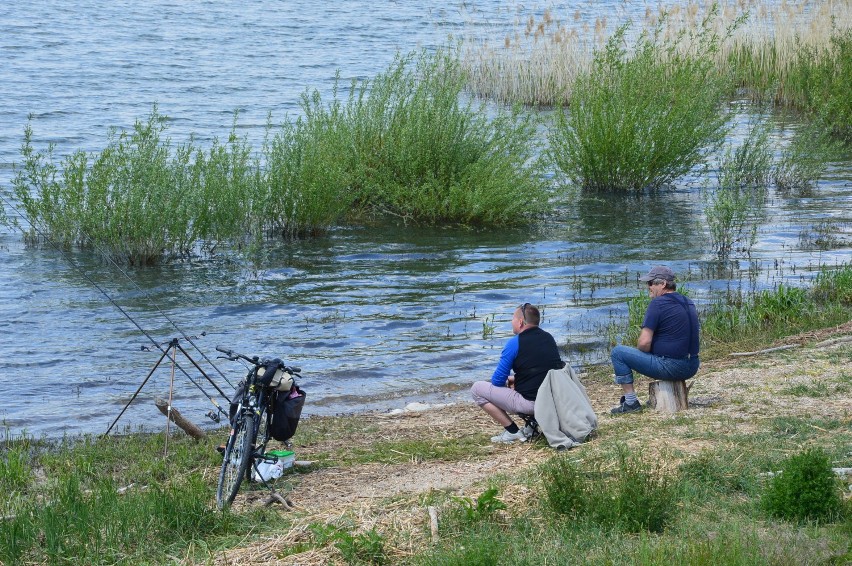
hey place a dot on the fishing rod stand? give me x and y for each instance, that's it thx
(174, 347)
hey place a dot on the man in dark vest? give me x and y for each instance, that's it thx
(667, 347)
(530, 354)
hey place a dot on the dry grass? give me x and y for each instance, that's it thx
(537, 62)
(393, 498)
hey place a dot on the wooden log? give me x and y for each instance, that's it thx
(758, 352)
(668, 396)
(433, 523)
(174, 415)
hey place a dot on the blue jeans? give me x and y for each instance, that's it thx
(626, 359)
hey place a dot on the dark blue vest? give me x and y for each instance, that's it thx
(537, 355)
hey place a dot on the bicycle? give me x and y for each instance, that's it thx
(269, 390)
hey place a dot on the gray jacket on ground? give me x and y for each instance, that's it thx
(563, 410)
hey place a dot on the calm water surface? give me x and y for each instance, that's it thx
(376, 317)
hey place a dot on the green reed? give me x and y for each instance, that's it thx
(642, 117)
(405, 144)
(805, 159)
(736, 206)
(781, 311)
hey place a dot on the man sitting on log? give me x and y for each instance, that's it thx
(667, 348)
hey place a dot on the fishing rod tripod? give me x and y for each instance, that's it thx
(173, 346)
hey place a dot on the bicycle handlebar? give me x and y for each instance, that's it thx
(233, 356)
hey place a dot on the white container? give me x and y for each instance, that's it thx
(270, 470)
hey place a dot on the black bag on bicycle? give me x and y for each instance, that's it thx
(286, 412)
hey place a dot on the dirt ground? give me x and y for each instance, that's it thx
(392, 497)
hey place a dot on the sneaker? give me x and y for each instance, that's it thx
(625, 407)
(507, 437)
(529, 431)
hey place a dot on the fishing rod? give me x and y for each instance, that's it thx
(158, 345)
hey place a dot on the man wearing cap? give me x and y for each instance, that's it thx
(667, 348)
(530, 354)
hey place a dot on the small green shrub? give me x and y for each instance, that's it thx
(636, 496)
(736, 206)
(806, 489)
(482, 507)
(367, 547)
(642, 117)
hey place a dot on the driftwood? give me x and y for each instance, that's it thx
(833, 341)
(276, 497)
(433, 523)
(668, 396)
(174, 415)
(758, 352)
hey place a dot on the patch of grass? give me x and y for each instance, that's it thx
(634, 496)
(758, 318)
(110, 501)
(357, 548)
(834, 285)
(815, 389)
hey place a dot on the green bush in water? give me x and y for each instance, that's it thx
(424, 154)
(641, 118)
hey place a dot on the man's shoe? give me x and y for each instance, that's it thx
(507, 437)
(625, 407)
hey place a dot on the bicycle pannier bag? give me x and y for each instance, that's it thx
(286, 411)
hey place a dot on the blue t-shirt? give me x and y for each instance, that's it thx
(674, 320)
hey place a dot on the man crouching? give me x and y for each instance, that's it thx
(530, 354)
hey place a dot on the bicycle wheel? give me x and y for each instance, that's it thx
(237, 456)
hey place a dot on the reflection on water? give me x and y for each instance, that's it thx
(376, 316)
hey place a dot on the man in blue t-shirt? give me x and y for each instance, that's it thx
(530, 354)
(667, 348)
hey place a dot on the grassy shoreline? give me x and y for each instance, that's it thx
(365, 498)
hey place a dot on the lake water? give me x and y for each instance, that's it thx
(376, 317)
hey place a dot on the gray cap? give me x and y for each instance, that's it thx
(659, 272)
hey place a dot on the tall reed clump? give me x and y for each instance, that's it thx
(139, 199)
(801, 56)
(736, 205)
(641, 118)
(424, 154)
